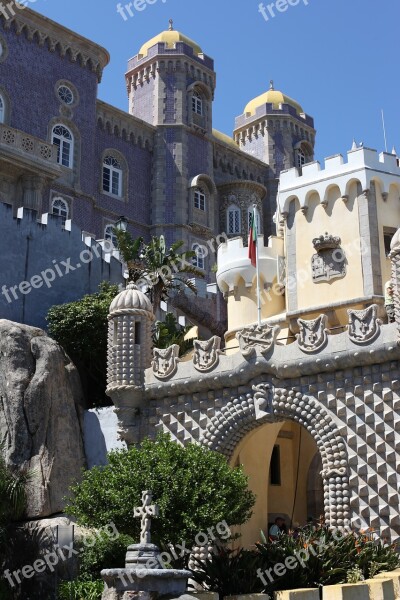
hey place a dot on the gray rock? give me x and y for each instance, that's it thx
(40, 415)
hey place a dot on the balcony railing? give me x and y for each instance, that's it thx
(27, 144)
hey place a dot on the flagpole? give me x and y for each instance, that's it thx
(257, 267)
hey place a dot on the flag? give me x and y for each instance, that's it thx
(253, 239)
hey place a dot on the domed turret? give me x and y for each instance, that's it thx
(131, 298)
(274, 97)
(129, 345)
(170, 39)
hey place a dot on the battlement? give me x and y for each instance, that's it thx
(363, 165)
(268, 110)
(161, 48)
(234, 264)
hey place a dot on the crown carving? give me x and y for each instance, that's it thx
(326, 242)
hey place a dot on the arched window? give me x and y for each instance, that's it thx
(233, 219)
(199, 259)
(109, 234)
(63, 139)
(250, 214)
(2, 109)
(112, 176)
(301, 158)
(60, 208)
(197, 103)
(199, 199)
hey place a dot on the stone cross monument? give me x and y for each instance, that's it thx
(145, 513)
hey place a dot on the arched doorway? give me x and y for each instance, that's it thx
(274, 406)
(278, 459)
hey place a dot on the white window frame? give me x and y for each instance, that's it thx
(114, 170)
(110, 235)
(2, 109)
(249, 216)
(200, 199)
(197, 104)
(233, 210)
(64, 144)
(301, 158)
(60, 209)
(198, 260)
(67, 90)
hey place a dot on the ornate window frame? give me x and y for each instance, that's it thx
(234, 209)
(65, 83)
(199, 261)
(5, 112)
(109, 234)
(66, 140)
(111, 153)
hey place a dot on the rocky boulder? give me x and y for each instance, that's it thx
(41, 415)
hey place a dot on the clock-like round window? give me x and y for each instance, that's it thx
(66, 95)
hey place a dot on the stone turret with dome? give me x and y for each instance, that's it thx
(275, 129)
(130, 322)
(170, 38)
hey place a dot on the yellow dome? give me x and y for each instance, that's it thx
(222, 137)
(273, 97)
(170, 38)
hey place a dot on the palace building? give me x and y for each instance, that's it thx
(308, 400)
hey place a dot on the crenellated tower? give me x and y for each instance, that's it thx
(275, 129)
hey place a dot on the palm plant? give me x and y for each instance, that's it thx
(163, 270)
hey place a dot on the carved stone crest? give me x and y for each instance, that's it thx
(364, 326)
(165, 362)
(257, 337)
(206, 354)
(330, 260)
(262, 400)
(313, 334)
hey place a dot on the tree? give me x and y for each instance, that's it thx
(81, 329)
(169, 332)
(162, 270)
(194, 487)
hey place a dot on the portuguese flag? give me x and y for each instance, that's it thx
(253, 239)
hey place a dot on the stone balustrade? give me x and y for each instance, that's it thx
(27, 144)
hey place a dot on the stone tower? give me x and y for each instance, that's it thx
(170, 85)
(129, 346)
(275, 129)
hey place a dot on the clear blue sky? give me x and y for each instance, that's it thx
(338, 58)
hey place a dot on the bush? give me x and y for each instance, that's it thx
(327, 557)
(230, 572)
(81, 590)
(322, 557)
(194, 487)
(105, 553)
(81, 329)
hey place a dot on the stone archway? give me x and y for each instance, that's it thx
(268, 405)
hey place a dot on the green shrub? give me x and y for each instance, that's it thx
(318, 556)
(105, 553)
(325, 557)
(194, 487)
(230, 572)
(81, 590)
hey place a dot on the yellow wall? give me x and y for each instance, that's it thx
(254, 453)
(339, 218)
(388, 216)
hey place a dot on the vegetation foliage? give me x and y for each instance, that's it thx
(324, 557)
(194, 487)
(81, 329)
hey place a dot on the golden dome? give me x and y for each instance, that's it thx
(222, 137)
(273, 97)
(170, 38)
